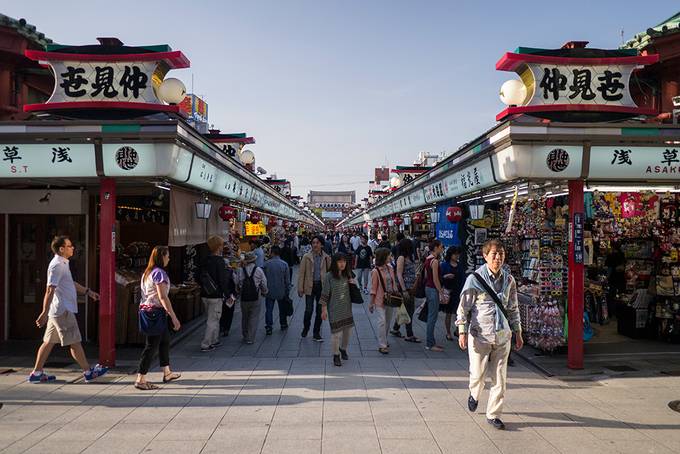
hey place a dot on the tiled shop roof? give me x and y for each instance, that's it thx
(25, 29)
(644, 39)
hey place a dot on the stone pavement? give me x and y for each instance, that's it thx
(283, 395)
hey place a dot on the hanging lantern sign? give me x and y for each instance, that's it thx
(255, 218)
(398, 221)
(454, 214)
(418, 218)
(227, 212)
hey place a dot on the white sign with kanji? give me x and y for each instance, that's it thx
(564, 84)
(78, 81)
(47, 160)
(636, 163)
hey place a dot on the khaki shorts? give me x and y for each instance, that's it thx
(62, 330)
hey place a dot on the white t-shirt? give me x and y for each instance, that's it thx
(356, 242)
(65, 296)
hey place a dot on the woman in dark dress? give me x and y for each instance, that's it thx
(453, 278)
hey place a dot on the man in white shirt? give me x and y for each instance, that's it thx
(355, 241)
(59, 308)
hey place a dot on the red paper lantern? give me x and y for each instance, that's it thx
(272, 221)
(384, 224)
(418, 218)
(454, 214)
(255, 218)
(227, 212)
(398, 221)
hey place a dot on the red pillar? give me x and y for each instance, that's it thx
(107, 270)
(576, 275)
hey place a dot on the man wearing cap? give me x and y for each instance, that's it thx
(251, 284)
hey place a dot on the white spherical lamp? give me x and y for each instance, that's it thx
(513, 92)
(395, 181)
(247, 157)
(172, 91)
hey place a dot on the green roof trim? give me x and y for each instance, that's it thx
(121, 128)
(25, 29)
(643, 39)
(477, 148)
(640, 132)
(159, 48)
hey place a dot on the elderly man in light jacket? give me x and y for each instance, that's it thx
(313, 268)
(490, 328)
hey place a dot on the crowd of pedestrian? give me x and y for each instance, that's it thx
(403, 279)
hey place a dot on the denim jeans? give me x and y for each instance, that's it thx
(432, 296)
(269, 314)
(310, 306)
(363, 278)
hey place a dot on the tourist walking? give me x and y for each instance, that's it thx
(488, 315)
(355, 241)
(337, 306)
(60, 306)
(217, 285)
(433, 291)
(453, 279)
(313, 268)
(363, 257)
(383, 282)
(258, 250)
(289, 255)
(406, 276)
(251, 283)
(156, 305)
(373, 242)
(278, 284)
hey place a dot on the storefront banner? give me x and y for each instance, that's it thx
(447, 232)
(634, 163)
(203, 175)
(226, 185)
(244, 192)
(469, 179)
(47, 160)
(146, 160)
(435, 192)
(537, 161)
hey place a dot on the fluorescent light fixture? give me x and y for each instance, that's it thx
(164, 185)
(605, 188)
(491, 199)
(555, 195)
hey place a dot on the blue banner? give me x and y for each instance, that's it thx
(447, 232)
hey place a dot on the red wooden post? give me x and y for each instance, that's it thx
(576, 276)
(107, 270)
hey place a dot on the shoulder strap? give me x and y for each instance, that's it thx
(382, 282)
(492, 294)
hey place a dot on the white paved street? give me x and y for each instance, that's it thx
(283, 395)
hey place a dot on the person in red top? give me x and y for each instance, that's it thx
(433, 289)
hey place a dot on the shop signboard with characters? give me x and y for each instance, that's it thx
(572, 83)
(99, 80)
(41, 160)
(634, 163)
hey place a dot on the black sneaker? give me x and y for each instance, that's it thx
(336, 360)
(318, 338)
(344, 355)
(209, 348)
(268, 330)
(497, 423)
(304, 332)
(472, 404)
(217, 344)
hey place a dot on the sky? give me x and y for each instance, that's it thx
(332, 89)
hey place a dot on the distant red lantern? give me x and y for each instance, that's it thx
(255, 218)
(418, 218)
(272, 221)
(454, 214)
(227, 212)
(384, 224)
(398, 221)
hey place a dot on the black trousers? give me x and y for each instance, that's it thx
(309, 309)
(153, 343)
(226, 318)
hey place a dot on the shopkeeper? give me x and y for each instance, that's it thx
(616, 272)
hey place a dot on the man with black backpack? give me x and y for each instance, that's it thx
(217, 286)
(252, 285)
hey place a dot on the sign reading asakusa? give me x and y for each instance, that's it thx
(644, 163)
